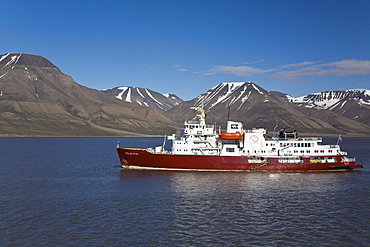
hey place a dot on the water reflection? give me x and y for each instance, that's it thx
(252, 205)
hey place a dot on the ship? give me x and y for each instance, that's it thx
(203, 147)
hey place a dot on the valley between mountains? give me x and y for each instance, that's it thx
(38, 99)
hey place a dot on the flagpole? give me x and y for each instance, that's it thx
(339, 138)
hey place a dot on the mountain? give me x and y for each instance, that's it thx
(353, 104)
(36, 98)
(254, 106)
(144, 96)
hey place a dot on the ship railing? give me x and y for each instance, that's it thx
(346, 159)
(333, 146)
(192, 122)
(159, 151)
(198, 122)
(296, 139)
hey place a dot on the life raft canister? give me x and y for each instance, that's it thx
(231, 136)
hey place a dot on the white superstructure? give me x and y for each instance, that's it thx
(198, 138)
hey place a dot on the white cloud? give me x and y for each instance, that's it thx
(259, 61)
(235, 70)
(306, 63)
(295, 72)
(179, 68)
(344, 68)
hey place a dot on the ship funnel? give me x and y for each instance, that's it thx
(233, 127)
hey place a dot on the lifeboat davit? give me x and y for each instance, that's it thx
(231, 136)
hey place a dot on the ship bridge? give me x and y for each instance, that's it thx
(197, 128)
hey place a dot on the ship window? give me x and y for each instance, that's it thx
(330, 151)
(230, 150)
(321, 151)
(316, 151)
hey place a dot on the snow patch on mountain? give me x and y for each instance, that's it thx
(331, 99)
(151, 96)
(3, 74)
(361, 101)
(3, 57)
(231, 92)
(342, 104)
(13, 60)
(128, 96)
(138, 91)
(245, 98)
(119, 96)
(144, 96)
(171, 96)
(230, 87)
(256, 88)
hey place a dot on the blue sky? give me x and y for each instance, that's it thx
(187, 47)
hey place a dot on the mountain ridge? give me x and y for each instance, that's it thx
(36, 98)
(254, 106)
(144, 96)
(352, 103)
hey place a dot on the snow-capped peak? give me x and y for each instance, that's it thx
(231, 92)
(331, 99)
(13, 60)
(144, 96)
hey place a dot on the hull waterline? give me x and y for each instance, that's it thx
(142, 159)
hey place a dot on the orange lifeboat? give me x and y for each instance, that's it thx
(231, 136)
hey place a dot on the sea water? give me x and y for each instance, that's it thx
(72, 192)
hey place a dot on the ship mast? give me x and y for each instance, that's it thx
(201, 115)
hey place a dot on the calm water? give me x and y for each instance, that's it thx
(72, 192)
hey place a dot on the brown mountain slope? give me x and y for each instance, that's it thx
(255, 107)
(36, 98)
(353, 104)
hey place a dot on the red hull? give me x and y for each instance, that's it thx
(130, 157)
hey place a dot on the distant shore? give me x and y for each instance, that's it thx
(138, 135)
